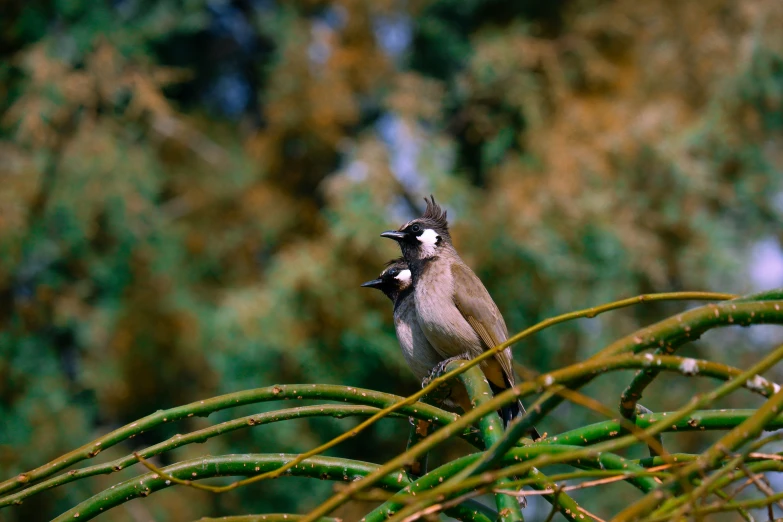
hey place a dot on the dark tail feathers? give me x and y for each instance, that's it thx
(511, 411)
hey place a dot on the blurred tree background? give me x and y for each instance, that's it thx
(191, 192)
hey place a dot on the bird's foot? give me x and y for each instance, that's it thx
(442, 393)
(440, 368)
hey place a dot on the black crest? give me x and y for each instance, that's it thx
(435, 214)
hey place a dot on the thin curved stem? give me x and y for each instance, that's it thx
(676, 329)
(530, 457)
(324, 468)
(490, 428)
(613, 445)
(206, 407)
(761, 308)
(697, 421)
(331, 410)
(440, 380)
(723, 481)
(439, 475)
(271, 517)
(746, 431)
(567, 376)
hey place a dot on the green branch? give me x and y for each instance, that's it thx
(437, 477)
(328, 468)
(490, 428)
(330, 410)
(613, 445)
(746, 431)
(271, 517)
(689, 326)
(761, 308)
(576, 373)
(421, 494)
(671, 333)
(231, 400)
(324, 468)
(679, 328)
(697, 421)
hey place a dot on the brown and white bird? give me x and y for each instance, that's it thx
(454, 309)
(396, 282)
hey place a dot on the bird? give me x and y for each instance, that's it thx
(396, 283)
(455, 311)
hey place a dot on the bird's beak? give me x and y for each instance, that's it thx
(393, 234)
(375, 283)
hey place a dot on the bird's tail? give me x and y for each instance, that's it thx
(511, 411)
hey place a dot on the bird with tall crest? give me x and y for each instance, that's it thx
(454, 310)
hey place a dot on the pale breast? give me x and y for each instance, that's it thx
(416, 349)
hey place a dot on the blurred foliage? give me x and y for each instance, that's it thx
(191, 193)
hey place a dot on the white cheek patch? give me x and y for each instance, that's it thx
(404, 276)
(428, 239)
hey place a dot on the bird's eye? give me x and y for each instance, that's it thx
(415, 228)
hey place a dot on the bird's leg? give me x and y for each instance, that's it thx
(440, 368)
(449, 394)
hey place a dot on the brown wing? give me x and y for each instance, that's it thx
(478, 308)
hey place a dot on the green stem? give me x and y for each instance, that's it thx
(689, 326)
(697, 421)
(723, 481)
(604, 461)
(331, 410)
(329, 468)
(741, 434)
(231, 400)
(571, 375)
(761, 308)
(678, 329)
(324, 468)
(440, 485)
(491, 428)
(271, 517)
(730, 506)
(458, 482)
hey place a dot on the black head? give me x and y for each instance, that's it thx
(424, 236)
(395, 279)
